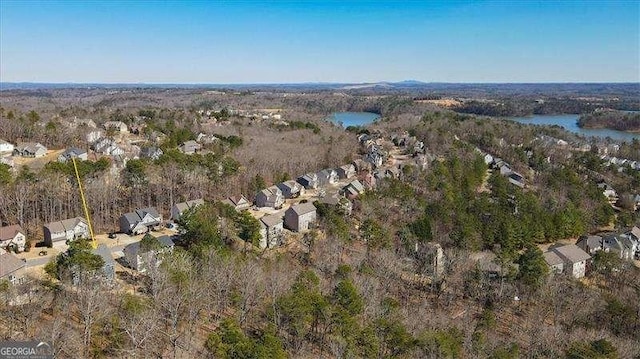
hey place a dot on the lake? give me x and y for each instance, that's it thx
(570, 123)
(347, 119)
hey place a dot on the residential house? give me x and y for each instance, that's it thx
(179, 209)
(6, 146)
(107, 146)
(140, 255)
(361, 165)
(140, 221)
(298, 217)
(346, 171)
(59, 232)
(118, 126)
(190, 147)
(353, 189)
(206, 139)
(240, 203)
(271, 231)
(393, 172)
(152, 152)
(338, 201)
(554, 261)
(94, 136)
(73, 152)
(109, 267)
(590, 244)
(270, 197)
(608, 192)
(375, 158)
(635, 233)
(13, 236)
(574, 259)
(30, 149)
(78, 122)
(291, 189)
(11, 268)
(369, 181)
(516, 179)
(326, 177)
(618, 243)
(309, 181)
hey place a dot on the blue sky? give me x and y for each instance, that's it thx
(330, 41)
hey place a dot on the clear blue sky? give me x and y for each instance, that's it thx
(304, 41)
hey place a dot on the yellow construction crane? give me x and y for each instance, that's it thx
(84, 203)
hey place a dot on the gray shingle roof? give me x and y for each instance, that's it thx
(271, 220)
(9, 264)
(105, 253)
(572, 253)
(9, 232)
(302, 208)
(552, 258)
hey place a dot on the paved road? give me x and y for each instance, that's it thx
(39, 261)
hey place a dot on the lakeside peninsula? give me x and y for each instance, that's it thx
(615, 120)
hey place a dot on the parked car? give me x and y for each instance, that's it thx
(112, 235)
(42, 253)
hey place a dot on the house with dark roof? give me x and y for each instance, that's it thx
(59, 232)
(270, 197)
(139, 221)
(308, 181)
(149, 250)
(291, 189)
(73, 152)
(11, 267)
(239, 203)
(574, 259)
(179, 209)
(346, 171)
(299, 216)
(13, 235)
(271, 231)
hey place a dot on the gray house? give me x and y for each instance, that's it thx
(353, 189)
(338, 201)
(190, 147)
(138, 255)
(67, 230)
(11, 267)
(346, 171)
(326, 177)
(290, 189)
(109, 266)
(30, 149)
(73, 152)
(298, 217)
(271, 231)
(554, 261)
(139, 221)
(179, 208)
(590, 244)
(309, 181)
(270, 197)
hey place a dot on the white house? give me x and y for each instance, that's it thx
(13, 235)
(116, 125)
(73, 152)
(6, 146)
(67, 230)
(270, 197)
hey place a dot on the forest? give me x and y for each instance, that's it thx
(357, 286)
(616, 120)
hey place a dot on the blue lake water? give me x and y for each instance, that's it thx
(570, 123)
(347, 119)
